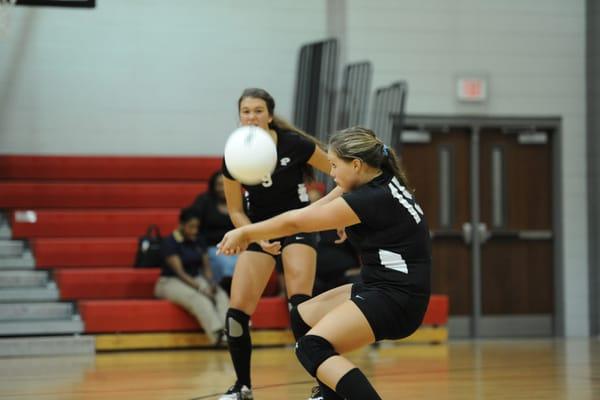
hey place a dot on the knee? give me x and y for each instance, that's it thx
(236, 324)
(312, 351)
(296, 299)
(299, 326)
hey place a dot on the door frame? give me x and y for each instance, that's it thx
(484, 326)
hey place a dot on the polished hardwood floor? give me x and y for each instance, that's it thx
(524, 369)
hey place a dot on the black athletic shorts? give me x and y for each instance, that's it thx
(309, 239)
(392, 314)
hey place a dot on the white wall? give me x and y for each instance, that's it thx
(534, 55)
(145, 76)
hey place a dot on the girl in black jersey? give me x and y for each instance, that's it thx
(282, 191)
(388, 229)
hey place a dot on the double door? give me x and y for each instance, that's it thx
(487, 195)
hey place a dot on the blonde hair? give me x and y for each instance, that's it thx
(362, 144)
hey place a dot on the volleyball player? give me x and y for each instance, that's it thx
(388, 228)
(282, 191)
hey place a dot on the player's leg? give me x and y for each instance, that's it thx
(308, 314)
(251, 275)
(319, 351)
(316, 308)
(299, 266)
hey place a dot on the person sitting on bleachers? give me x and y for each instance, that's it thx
(186, 279)
(211, 209)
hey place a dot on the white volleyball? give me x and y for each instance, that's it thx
(250, 154)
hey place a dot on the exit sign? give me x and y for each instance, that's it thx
(472, 90)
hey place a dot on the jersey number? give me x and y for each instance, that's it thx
(303, 193)
(267, 181)
(406, 199)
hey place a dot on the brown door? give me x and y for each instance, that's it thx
(516, 210)
(512, 242)
(438, 167)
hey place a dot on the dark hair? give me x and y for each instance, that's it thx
(362, 143)
(187, 214)
(279, 123)
(212, 183)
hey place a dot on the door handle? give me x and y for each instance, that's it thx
(482, 232)
(467, 231)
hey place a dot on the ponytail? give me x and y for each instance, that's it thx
(391, 162)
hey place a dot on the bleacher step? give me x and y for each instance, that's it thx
(56, 327)
(5, 231)
(47, 346)
(11, 248)
(23, 279)
(19, 295)
(26, 261)
(35, 311)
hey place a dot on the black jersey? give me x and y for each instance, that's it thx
(392, 238)
(284, 189)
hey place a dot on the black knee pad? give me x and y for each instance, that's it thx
(299, 327)
(298, 299)
(236, 323)
(312, 351)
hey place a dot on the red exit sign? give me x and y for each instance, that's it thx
(473, 90)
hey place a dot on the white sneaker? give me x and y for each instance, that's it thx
(316, 394)
(238, 393)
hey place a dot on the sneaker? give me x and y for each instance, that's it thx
(237, 392)
(221, 342)
(316, 394)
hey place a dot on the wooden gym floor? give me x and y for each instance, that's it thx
(525, 369)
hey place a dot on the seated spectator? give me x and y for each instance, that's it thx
(184, 283)
(337, 261)
(211, 209)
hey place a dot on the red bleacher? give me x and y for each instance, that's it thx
(90, 212)
(93, 223)
(437, 311)
(36, 194)
(107, 168)
(128, 316)
(158, 315)
(119, 283)
(86, 252)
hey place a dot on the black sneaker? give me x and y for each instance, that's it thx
(238, 392)
(316, 393)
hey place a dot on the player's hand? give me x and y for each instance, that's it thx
(234, 242)
(273, 248)
(341, 235)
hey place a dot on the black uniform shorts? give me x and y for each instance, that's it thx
(309, 239)
(392, 314)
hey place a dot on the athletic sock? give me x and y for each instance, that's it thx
(240, 344)
(328, 393)
(355, 386)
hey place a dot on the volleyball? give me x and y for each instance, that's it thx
(250, 154)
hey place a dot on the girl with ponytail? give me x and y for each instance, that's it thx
(282, 191)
